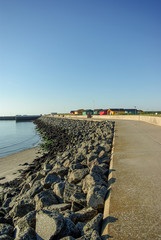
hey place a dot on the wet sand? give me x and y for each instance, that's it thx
(12, 164)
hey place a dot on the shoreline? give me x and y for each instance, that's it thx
(70, 181)
(12, 165)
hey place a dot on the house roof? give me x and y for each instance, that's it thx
(80, 110)
(97, 110)
(132, 109)
(88, 110)
(116, 109)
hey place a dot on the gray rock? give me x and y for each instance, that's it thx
(96, 197)
(29, 220)
(21, 209)
(86, 236)
(76, 207)
(79, 157)
(106, 146)
(59, 207)
(79, 198)
(92, 180)
(77, 166)
(99, 170)
(36, 188)
(45, 199)
(77, 175)
(5, 237)
(30, 178)
(94, 162)
(6, 229)
(90, 147)
(48, 224)
(95, 236)
(65, 154)
(66, 163)
(38, 176)
(91, 156)
(2, 212)
(59, 189)
(49, 180)
(25, 233)
(44, 172)
(69, 229)
(69, 190)
(57, 163)
(25, 188)
(80, 226)
(106, 160)
(7, 195)
(68, 238)
(98, 148)
(6, 202)
(83, 215)
(83, 150)
(47, 166)
(102, 154)
(94, 224)
(91, 235)
(60, 171)
(5, 220)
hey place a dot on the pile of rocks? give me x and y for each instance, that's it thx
(61, 195)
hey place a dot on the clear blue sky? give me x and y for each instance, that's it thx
(60, 55)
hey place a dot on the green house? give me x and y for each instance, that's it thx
(131, 111)
(97, 111)
(87, 112)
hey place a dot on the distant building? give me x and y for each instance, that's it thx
(72, 112)
(140, 111)
(53, 113)
(97, 111)
(79, 112)
(131, 111)
(103, 112)
(88, 112)
(114, 111)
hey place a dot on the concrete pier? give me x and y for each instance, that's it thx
(134, 208)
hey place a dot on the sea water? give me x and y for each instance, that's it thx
(17, 136)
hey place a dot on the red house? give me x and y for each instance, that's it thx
(103, 112)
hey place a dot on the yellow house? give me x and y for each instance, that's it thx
(79, 112)
(114, 111)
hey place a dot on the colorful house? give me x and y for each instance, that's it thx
(79, 112)
(114, 111)
(103, 112)
(97, 111)
(72, 112)
(131, 111)
(140, 111)
(88, 112)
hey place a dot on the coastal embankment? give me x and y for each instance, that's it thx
(155, 120)
(61, 194)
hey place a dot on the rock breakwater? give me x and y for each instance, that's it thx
(61, 195)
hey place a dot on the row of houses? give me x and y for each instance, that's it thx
(111, 111)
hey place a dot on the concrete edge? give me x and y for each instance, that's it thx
(106, 213)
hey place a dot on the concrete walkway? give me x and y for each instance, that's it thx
(135, 202)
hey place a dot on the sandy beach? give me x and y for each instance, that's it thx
(12, 164)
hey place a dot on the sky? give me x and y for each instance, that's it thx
(63, 55)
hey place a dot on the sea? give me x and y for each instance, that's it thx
(17, 136)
